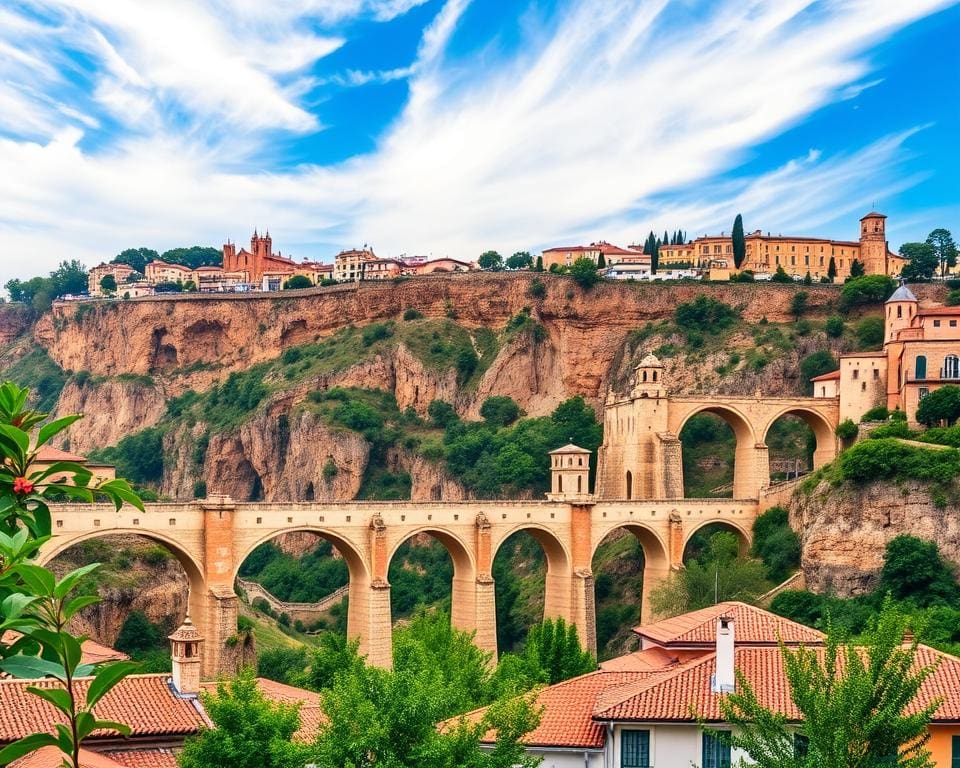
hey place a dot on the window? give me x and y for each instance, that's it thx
(716, 752)
(629, 485)
(856, 374)
(876, 374)
(953, 323)
(922, 392)
(951, 367)
(635, 749)
(801, 745)
(899, 312)
(936, 323)
(921, 366)
(955, 753)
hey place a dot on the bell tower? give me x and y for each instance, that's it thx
(569, 474)
(873, 243)
(899, 311)
(185, 654)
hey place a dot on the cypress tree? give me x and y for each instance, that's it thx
(739, 244)
(832, 269)
(666, 238)
(539, 267)
(601, 261)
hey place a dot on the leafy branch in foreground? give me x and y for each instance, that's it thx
(34, 606)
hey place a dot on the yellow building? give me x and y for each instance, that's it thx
(921, 352)
(120, 272)
(797, 255)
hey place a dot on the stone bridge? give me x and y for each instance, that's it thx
(641, 452)
(212, 538)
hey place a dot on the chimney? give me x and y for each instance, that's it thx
(185, 652)
(724, 680)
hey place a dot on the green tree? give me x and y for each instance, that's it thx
(718, 574)
(491, 261)
(944, 247)
(651, 248)
(941, 405)
(705, 314)
(333, 656)
(856, 705)
(499, 411)
(776, 543)
(856, 268)
(138, 635)
(922, 264)
(539, 266)
(798, 304)
(250, 732)
(869, 332)
(441, 413)
(869, 289)
(834, 327)
(584, 273)
(914, 570)
(108, 284)
(739, 243)
(816, 364)
(832, 269)
(554, 647)
(847, 430)
(32, 601)
(298, 282)
(781, 276)
(519, 260)
(136, 258)
(194, 256)
(69, 278)
(601, 261)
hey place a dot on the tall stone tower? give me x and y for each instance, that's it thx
(569, 474)
(873, 243)
(899, 312)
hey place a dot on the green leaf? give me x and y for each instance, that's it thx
(67, 582)
(86, 724)
(13, 606)
(53, 428)
(72, 651)
(71, 607)
(38, 579)
(120, 491)
(25, 746)
(32, 668)
(16, 436)
(60, 468)
(106, 678)
(59, 697)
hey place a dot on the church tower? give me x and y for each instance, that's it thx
(873, 243)
(899, 311)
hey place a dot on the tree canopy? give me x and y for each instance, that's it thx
(739, 243)
(941, 405)
(136, 258)
(944, 248)
(519, 260)
(297, 282)
(923, 262)
(491, 261)
(584, 273)
(868, 289)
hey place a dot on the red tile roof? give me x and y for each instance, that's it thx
(649, 660)
(567, 711)
(939, 311)
(752, 625)
(144, 758)
(684, 693)
(51, 757)
(50, 454)
(827, 376)
(144, 702)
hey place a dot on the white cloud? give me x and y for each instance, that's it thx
(606, 124)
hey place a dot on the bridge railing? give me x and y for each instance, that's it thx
(255, 590)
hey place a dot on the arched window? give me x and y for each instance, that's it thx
(644, 376)
(951, 367)
(921, 366)
(654, 375)
(899, 312)
(629, 485)
(559, 483)
(579, 483)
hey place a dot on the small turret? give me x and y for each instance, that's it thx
(569, 474)
(899, 311)
(185, 654)
(648, 378)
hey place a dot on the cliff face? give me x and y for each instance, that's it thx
(15, 320)
(844, 531)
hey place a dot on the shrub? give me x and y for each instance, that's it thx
(297, 282)
(847, 430)
(953, 298)
(466, 364)
(537, 289)
(584, 273)
(893, 429)
(869, 289)
(870, 332)
(499, 411)
(705, 314)
(877, 413)
(291, 355)
(798, 304)
(329, 470)
(776, 543)
(834, 327)
(441, 413)
(200, 489)
(375, 332)
(889, 459)
(412, 314)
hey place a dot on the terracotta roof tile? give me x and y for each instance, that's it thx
(48, 453)
(51, 757)
(648, 660)
(827, 376)
(144, 702)
(679, 693)
(144, 758)
(753, 626)
(567, 716)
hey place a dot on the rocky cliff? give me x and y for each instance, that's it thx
(844, 531)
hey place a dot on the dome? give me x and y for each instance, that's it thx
(650, 361)
(902, 294)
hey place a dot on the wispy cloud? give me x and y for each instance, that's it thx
(612, 119)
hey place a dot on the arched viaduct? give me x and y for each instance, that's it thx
(212, 538)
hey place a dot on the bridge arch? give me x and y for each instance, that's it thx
(464, 584)
(748, 466)
(656, 558)
(824, 431)
(357, 569)
(188, 561)
(744, 537)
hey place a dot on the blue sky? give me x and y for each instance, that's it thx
(455, 126)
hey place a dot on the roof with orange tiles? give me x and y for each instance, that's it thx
(684, 694)
(48, 453)
(51, 757)
(752, 626)
(144, 758)
(952, 311)
(648, 660)
(572, 249)
(827, 376)
(91, 652)
(146, 703)
(567, 711)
